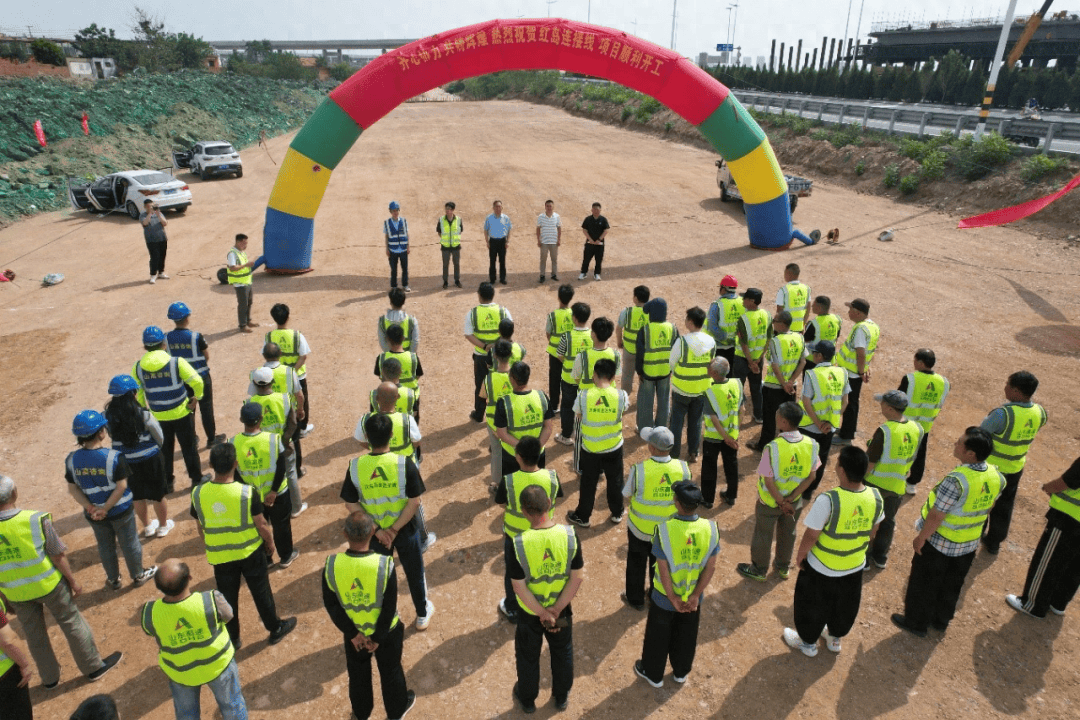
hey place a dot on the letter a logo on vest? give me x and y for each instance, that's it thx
(548, 555)
(665, 479)
(691, 539)
(1029, 424)
(602, 400)
(380, 474)
(4, 540)
(182, 624)
(986, 488)
(857, 512)
(357, 585)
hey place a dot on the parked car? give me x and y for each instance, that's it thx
(797, 186)
(126, 191)
(209, 158)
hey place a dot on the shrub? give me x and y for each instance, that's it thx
(933, 165)
(975, 159)
(47, 53)
(819, 135)
(626, 113)
(668, 125)
(801, 126)
(892, 175)
(909, 184)
(646, 109)
(455, 87)
(912, 148)
(1037, 167)
(843, 137)
(564, 88)
(860, 168)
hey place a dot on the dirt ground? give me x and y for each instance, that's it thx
(989, 302)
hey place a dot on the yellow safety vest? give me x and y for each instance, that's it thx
(926, 394)
(1011, 446)
(589, 365)
(577, 341)
(162, 389)
(757, 333)
(193, 645)
(514, 520)
(6, 663)
(243, 275)
(524, 415)
(289, 342)
(794, 296)
(380, 482)
(256, 460)
(545, 555)
(601, 423)
(283, 380)
(560, 321)
(635, 320)
(724, 399)
(651, 499)
(360, 585)
(406, 401)
(485, 323)
(224, 511)
(789, 348)
(384, 324)
(657, 340)
(728, 311)
(688, 545)
(691, 375)
(496, 386)
(1068, 502)
(791, 464)
(978, 491)
(846, 357)
(276, 407)
(897, 454)
(450, 232)
(26, 572)
(400, 436)
(827, 385)
(826, 327)
(843, 541)
(408, 362)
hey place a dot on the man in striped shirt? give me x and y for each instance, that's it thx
(549, 238)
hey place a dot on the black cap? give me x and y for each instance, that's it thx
(688, 494)
(754, 294)
(251, 413)
(859, 304)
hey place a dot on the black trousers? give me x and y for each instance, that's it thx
(253, 570)
(639, 564)
(934, 587)
(296, 445)
(710, 452)
(741, 369)
(824, 444)
(554, 380)
(157, 251)
(890, 505)
(206, 408)
(183, 430)
(497, 251)
(1054, 573)
(16, 699)
(528, 643)
(918, 466)
(670, 636)
(279, 515)
(851, 415)
(508, 586)
(566, 408)
(592, 464)
(480, 372)
(411, 559)
(391, 676)
(825, 602)
(997, 525)
(592, 251)
(307, 409)
(771, 400)
(394, 259)
(728, 353)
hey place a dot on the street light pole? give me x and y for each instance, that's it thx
(734, 23)
(674, 5)
(549, 4)
(588, 14)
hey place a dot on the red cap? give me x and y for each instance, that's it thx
(729, 281)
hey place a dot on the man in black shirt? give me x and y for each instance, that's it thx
(519, 381)
(595, 228)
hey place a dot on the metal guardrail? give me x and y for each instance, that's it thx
(847, 113)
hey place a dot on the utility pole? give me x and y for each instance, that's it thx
(549, 4)
(588, 14)
(995, 68)
(674, 6)
(858, 28)
(734, 23)
(847, 22)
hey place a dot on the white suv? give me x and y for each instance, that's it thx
(208, 158)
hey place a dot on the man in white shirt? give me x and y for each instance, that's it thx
(548, 239)
(689, 361)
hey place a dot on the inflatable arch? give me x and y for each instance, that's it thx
(542, 44)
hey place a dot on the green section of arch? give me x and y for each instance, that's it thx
(327, 135)
(731, 130)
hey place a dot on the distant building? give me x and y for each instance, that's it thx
(213, 63)
(92, 68)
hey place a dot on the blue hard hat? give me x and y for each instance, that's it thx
(153, 335)
(394, 205)
(87, 423)
(122, 385)
(178, 311)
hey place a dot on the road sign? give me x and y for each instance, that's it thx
(724, 47)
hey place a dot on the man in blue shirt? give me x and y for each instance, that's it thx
(396, 232)
(497, 227)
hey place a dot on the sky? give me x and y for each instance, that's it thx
(700, 24)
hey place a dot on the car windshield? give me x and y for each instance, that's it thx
(152, 178)
(220, 150)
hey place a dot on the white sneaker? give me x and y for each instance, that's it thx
(162, 276)
(581, 276)
(145, 575)
(678, 679)
(163, 530)
(1015, 603)
(794, 641)
(563, 440)
(408, 289)
(597, 277)
(911, 489)
(153, 279)
(423, 622)
(151, 528)
(831, 642)
(1056, 611)
(428, 542)
(303, 507)
(304, 433)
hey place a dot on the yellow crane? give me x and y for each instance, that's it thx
(1025, 37)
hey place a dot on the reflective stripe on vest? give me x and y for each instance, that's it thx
(450, 232)
(651, 498)
(826, 382)
(485, 324)
(397, 234)
(26, 572)
(224, 511)
(243, 275)
(1011, 446)
(688, 547)
(724, 399)
(900, 446)
(276, 407)
(524, 415)
(193, 645)
(385, 324)
(380, 482)
(289, 342)
(496, 386)
(601, 423)
(795, 295)
(1068, 502)
(145, 446)
(791, 464)
(6, 663)
(514, 520)
(185, 343)
(164, 388)
(360, 585)
(545, 555)
(93, 472)
(256, 461)
(728, 312)
(978, 491)
(635, 320)
(560, 321)
(589, 365)
(846, 356)
(691, 374)
(788, 348)
(757, 331)
(577, 341)
(826, 327)
(406, 401)
(926, 394)
(843, 541)
(400, 436)
(657, 339)
(408, 362)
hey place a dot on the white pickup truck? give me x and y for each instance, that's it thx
(797, 187)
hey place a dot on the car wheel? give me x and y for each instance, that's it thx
(203, 175)
(182, 208)
(240, 173)
(794, 202)
(724, 197)
(132, 210)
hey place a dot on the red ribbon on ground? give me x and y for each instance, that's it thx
(1017, 212)
(86, 124)
(39, 132)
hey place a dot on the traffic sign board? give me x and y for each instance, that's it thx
(724, 47)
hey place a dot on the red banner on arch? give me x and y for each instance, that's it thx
(1017, 212)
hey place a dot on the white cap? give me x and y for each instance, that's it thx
(262, 376)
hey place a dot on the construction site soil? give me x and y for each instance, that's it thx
(988, 301)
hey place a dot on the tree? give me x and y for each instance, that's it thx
(97, 41)
(258, 51)
(48, 53)
(341, 71)
(191, 52)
